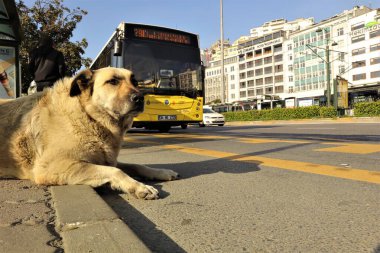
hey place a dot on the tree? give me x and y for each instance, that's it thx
(51, 17)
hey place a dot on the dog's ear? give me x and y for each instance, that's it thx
(81, 82)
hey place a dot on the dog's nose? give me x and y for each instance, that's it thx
(137, 98)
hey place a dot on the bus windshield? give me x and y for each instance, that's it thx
(164, 68)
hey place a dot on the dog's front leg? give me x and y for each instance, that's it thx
(94, 176)
(148, 172)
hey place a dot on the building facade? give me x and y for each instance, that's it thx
(298, 59)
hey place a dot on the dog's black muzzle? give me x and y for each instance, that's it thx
(138, 100)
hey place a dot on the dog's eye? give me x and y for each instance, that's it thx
(113, 81)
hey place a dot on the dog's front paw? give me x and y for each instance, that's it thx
(146, 192)
(164, 175)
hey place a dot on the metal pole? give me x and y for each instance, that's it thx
(222, 51)
(328, 74)
(335, 84)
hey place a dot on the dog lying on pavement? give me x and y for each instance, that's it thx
(71, 134)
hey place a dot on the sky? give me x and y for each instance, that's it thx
(201, 17)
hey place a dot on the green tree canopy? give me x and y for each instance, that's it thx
(58, 21)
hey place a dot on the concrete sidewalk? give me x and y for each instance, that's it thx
(60, 219)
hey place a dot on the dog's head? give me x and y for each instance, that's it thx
(112, 89)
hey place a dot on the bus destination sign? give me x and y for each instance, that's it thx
(151, 34)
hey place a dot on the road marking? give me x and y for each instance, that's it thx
(262, 140)
(351, 148)
(317, 128)
(313, 168)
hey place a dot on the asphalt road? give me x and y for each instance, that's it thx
(258, 188)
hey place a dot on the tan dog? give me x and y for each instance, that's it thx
(71, 134)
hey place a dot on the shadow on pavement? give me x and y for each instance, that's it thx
(155, 239)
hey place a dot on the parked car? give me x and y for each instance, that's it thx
(211, 117)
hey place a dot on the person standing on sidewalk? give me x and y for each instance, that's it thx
(47, 64)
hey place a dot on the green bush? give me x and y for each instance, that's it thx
(367, 109)
(282, 114)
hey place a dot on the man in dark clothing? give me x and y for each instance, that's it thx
(47, 64)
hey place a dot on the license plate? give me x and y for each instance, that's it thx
(167, 117)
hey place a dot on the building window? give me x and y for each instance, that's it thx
(268, 70)
(258, 72)
(374, 34)
(342, 69)
(341, 56)
(242, 66)
(358, 51)
(357, 38)
(279, 89)
(232, 77)
(259, 62)
(278, 58)
(290, 47)
(267, 50)
(290, 78)
(358, 64)
(243, 94)
(251, 93)
(290, 57)
(268, 60)
(269, 80)
(258, 52)
(259, 82)
(232, 96)
(250, 73)
(374, 47)
(232, 86)
(340, 31)
(290, 67)
(251, 83)
(375, 60)
(250, 64)
(278, 79)
(269, 90)
(242, 75)
(259, 91)
(359, 77)
(278, 68)
(375, 74)
(242, 85)
(357, 26)
(232, 68)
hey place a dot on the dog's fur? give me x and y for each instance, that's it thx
(71, 133)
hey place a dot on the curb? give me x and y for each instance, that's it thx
(87, 224)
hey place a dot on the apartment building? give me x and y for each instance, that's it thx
(213, 84)
(308, 62)
(261, 66)
(289, 59)
(364, 52)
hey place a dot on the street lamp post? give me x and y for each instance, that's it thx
(222, 51)
(328, 69)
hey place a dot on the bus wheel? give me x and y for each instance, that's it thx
(201, 124)
(184, 126)
(164, 129)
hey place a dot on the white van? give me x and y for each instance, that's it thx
(211, 118)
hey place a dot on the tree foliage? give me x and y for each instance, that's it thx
(58, 21)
